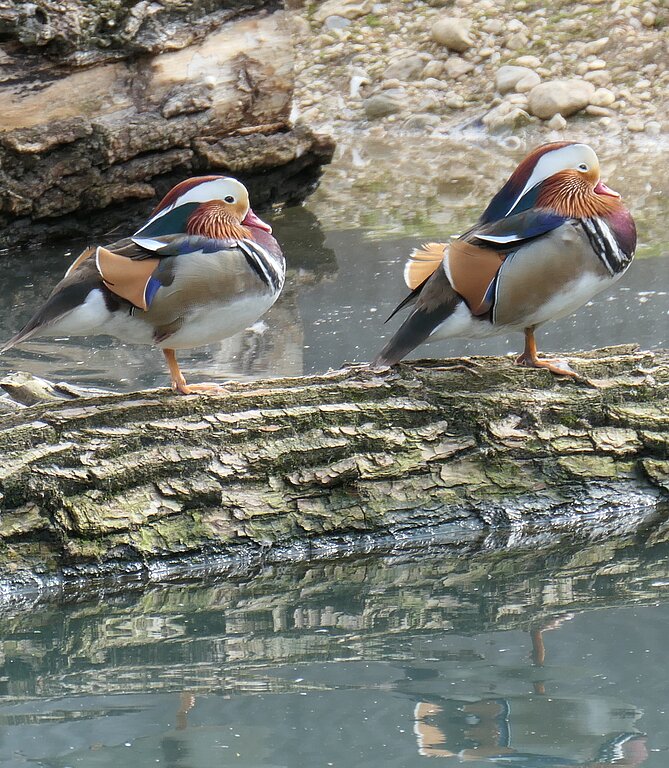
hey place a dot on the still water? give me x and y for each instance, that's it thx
(345, 249)
(477, 654)
(481, 654)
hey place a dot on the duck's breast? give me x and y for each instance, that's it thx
(548, 278)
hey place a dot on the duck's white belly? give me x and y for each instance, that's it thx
(572, 297)
(464, 325)
(202, 325)
(210, 323)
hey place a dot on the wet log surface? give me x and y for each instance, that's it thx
(106, 104)
(149, 483)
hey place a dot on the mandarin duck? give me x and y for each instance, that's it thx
(552, 237)
(202, 268)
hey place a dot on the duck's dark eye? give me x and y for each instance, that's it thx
(582, 167)
(229, 199)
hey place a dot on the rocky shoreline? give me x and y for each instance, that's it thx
(435, 66)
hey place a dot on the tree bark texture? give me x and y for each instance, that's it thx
(105, 103)
(103, 482)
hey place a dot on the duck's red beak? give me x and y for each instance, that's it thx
(251, 220)
(602, 189)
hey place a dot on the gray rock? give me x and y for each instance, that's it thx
(505, 116)
(407, 68)
(563, 96)
(383, 104)
(508, 76)
(421, 123)
(453, 33)
(336, 22)
(457, 67)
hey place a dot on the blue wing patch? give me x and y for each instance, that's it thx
(150, 290)
(519, 227)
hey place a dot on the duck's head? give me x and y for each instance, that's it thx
(563, 177)
(211, 206)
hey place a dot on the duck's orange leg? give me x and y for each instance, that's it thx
(179, 382)
(530, 359)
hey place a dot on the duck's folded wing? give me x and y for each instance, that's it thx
(474, 261)
(505, 234)
(137, 279)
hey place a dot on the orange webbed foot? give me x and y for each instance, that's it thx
(206, 388)
(554, 365)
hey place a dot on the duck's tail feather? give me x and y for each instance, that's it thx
(69, 294)
(435, 304)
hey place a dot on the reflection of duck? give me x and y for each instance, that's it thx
(482, 730)
(202, 268)
(553, 237)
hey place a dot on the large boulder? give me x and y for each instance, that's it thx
(563, 96)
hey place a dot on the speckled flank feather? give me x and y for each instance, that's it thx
(422, 263)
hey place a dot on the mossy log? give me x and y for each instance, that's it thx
(146, 480)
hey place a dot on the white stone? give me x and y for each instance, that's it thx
(602, 97)
(518, 41)
(505, 116)
(433, 68)
(493, 26)
(455, 102)
(453, 33)
(348, 9)
(563, 96)
(599, 77)
(595, 47)
(457, 67)
(648, 19)
(595, 111)
(636, 125)
(525, 84)
(557, 122)
(528, 61)
(508, 76)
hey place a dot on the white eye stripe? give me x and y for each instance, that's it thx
(217, 189)
(555, 161)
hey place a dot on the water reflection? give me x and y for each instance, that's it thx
(532, 656)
